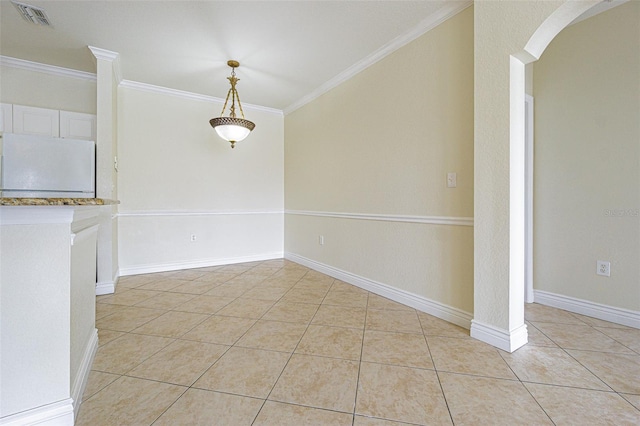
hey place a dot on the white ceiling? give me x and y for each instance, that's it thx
(287, 49)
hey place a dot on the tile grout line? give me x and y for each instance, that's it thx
(526, 388)
(164, 347)
(306, 330)
(364, 330)
(444, 396)
(215, 362)
(292, 352)
(575, 359)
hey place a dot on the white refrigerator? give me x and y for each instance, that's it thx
(46, 167)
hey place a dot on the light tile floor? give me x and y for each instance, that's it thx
(274, 343)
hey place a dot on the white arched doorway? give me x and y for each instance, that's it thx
(507, 37)
(520, 255)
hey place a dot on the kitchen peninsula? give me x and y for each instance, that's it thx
(47, 305)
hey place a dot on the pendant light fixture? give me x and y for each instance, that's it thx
(232, 128)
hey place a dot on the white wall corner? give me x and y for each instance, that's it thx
(57, 414)
(423, 304)
(82, 377)
(502, 339)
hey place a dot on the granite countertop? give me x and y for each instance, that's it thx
(56, 202)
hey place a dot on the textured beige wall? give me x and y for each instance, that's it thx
(382, 144)
(176, 174)
(502, 29)
(587, 160)
(22, 87)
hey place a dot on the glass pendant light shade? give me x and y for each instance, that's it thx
(232, 129)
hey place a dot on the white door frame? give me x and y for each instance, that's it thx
(528, 167)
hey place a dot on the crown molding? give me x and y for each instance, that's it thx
(104, 54)
(110, 56)
(445, 13)
(145, 87)
(46, 69)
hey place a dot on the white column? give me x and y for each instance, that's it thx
(108, 73)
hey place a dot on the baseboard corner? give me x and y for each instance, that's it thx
(508, 341)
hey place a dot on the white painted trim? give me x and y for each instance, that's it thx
(85, 212)
(592, 309)
(190, 95)
(502, 339)
(35, 215)
(59, 413)
(46, 69)
(432, 220)
(109, 56)
(104, 54)
(431, 307)
(528, 182)
(82, 235)
(145, 213)
(195, 213)
(603, 6)
(105, 287)
(516, 224)
(202, 263)
(431, 22)
(80, 383)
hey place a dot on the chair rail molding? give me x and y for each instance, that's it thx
(432, 220)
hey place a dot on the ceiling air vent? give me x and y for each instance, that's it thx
(32, 14)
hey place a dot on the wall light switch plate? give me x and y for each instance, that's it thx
(452, 180)
(604, 268)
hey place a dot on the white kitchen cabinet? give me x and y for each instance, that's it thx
(77, 125)
(36, 121)
(47, 306)
(6, 118)
(29, 120)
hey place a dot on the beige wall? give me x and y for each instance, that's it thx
(23, 87)
(587, 160)
(177, 177)
(382, 144)
(502, 29)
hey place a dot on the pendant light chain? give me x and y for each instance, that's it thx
(231, 128)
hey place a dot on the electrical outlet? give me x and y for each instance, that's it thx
(603, 268)
(321, 240)
(193, 237)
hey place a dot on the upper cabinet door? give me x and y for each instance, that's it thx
(77, 125)
(36, 121)
(6, 118)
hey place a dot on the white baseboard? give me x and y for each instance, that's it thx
(105, 287)
(57, 414)
(80, 383)
(203, 263)
(501, 339)
(431, 307)
(584, 307)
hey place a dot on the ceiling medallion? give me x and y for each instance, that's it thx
(232, 128)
